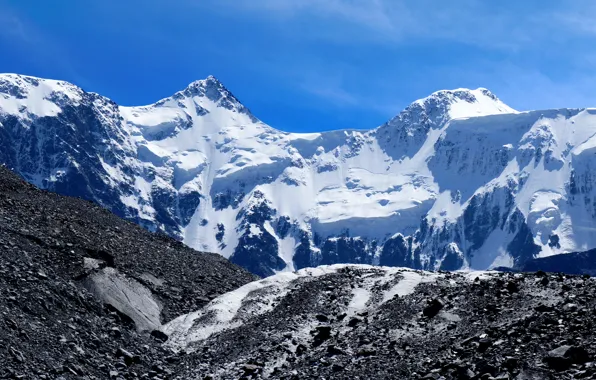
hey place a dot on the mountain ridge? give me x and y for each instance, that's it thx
(212, 80)
(456, 180)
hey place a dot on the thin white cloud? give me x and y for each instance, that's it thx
(12, 27)
(37, 46)
(333, 92)
(532, 29)
(476, 22)
(522, 35)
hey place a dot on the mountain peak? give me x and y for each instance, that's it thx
(212, 90)
(209, 81)
(17, 91)
(435, 110)
(463, 102)
(209, 84)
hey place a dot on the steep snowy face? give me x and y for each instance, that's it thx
(518, 169)
(34, 97)
(456, 180)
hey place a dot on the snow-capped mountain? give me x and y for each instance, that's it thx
(456, 180)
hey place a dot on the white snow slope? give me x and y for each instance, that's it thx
(233, 309)
(456, 180)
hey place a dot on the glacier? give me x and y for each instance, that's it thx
(457, 180)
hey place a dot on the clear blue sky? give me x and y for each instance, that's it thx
(308, 65)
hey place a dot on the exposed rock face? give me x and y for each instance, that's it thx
(126, 295)
(81, 289)
(363, 322)
(456, 180)
(573, 263)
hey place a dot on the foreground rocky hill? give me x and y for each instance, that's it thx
(83, 292)
(363, 322)
(455, 180)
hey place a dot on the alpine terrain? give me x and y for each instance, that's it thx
(86, 295)
(456, 180)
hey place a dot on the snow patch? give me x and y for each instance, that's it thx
(222, 313)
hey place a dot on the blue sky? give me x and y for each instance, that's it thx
(309, 65)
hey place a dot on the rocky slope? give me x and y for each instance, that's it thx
(363, 322)
(83, 292)
(456, 180)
